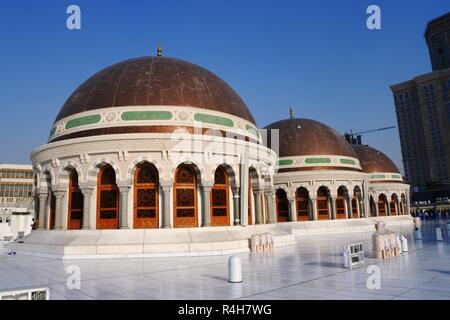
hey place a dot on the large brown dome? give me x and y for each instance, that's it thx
(301, 137)
(373, 161)
(158, 81)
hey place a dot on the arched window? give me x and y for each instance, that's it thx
(282, 206)
(403, 204)
(220, 212)
(185, 197)
(75, 218)
(340, 203)
(323, 204)
(393, 205)
(382, 205)
(107, 199)
(302, 200)
(355, 202)
(51, 223)
(146, 180)
(372, 207)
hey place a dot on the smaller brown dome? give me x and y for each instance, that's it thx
(301, 137)
(373, 161)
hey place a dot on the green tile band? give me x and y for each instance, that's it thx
(396, 176)
(285, 162)
(222, 121)
(146, 115)
(252, 130)
(317, 160)
(347, 161)
(378, 176)
(83, 121)
(52, 132)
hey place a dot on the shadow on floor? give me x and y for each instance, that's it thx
(327, 264)
(444, 272)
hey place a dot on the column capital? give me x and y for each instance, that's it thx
(59, 194)
(87, 191)
(207, 185)
(42, 195)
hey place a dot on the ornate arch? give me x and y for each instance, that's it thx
(94, 169)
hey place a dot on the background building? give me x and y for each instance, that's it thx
(16, 200)
(423, 115)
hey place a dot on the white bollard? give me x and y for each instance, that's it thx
(418, 234)
(234, 269)
(439, 234)
(404, 243)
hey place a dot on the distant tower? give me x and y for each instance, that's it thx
(159, 50)
(437, 35)
(291, 113)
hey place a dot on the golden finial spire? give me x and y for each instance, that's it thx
(291, 113)
(159, 51)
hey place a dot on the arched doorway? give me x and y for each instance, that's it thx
(393, 205)
(403, 204)
(52, 199)
(341, 207)
(302, 201)
(185, 197)
(282, 203)
(220, 211)
(372, 207)
(146, 184)
(107, 199)
(382, 201)
(75, 214)
(323, 199)
(355, 202)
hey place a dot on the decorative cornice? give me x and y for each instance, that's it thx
(175, 116)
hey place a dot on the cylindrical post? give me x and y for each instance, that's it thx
(439, 234)
(236, 208)
(206, 207)
(234, 269)
(166, 206)
(258, 207)
(59, 195)
(123, 206)
(42, 204)
(87, 193)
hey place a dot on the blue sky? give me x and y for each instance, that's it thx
(317, 56)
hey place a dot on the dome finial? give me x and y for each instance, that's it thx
(291, 113)
(159, 50)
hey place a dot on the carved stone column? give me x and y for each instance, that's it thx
(87, 194)
(315, 215)
(236, 206)
(166, 190)
(271, 205)
(43, 196)
(59, 196)
(333, 207)
(350, 209)
(258, 206)
(123, 206)
(292, 210)
(206, 204)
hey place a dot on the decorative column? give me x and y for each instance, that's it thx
(206, 203)
(87, 194)
(166, 190)
(42, 205)
(408, 212)
(360, 208)
(236, 203)
(258, 206)
(376, 208)
(314, 208)
(292, 209)
(349, 214)
(271, 203)
(333, 207)
(123, 206)
(59, 195)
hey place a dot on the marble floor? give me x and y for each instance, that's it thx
(311, 269)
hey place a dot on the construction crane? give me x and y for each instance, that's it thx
(355, 137)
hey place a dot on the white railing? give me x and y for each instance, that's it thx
(26, 294)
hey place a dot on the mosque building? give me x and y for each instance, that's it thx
(156, 145)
